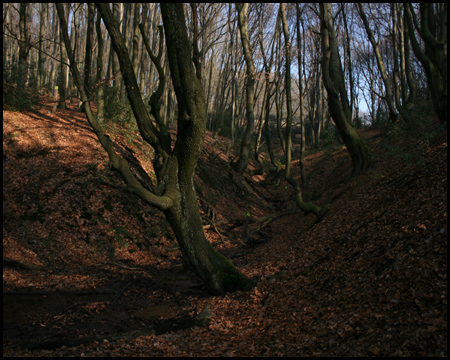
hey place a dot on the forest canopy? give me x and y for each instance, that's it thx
(389, 53)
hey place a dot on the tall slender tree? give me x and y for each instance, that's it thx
(89, 43)
(433, 31)
(24, 46)
(305, 206)
(100, 85)
(338, 103)
(63, 65)
(250, 78)
(300, 91)
(393, 115)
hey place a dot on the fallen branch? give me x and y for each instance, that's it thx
(218, 232)
(123, 266)
(249, 220)
(22, 265)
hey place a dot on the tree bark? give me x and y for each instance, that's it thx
(399, 83)
(434, 59)
(300, 91)
(41, 57)
(100, 84)
(337, 95)
(24, 47)
(89, 43)
(214, 269)
(393, 116)
(242, 162)
(63, 68)
(407, 66)
(114, 61)
(175, 193)
(307, 207)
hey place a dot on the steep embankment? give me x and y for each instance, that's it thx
(370, 279)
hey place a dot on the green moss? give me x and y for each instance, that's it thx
(230, 276)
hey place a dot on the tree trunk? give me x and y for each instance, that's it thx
(214, 269)
(300, 91)
(234, 89)
(175, 193)
(100, 83)
(41, 57)
(242, 163)
(117, 7)
(137, 7)
(349, 62)
(55, 32)
(89, 44)
(337, 96)
(393, 116)
(434, 59)
(399, 83)
(407, 66)
(63, 68)
(307, 207)
(24, 48)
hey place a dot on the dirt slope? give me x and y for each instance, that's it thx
(370, 279)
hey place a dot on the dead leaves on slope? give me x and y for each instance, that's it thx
(369, 280)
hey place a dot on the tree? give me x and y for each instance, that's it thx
(268, 62)
(242, 162)
(300, 90)
(24, 47)
(307, 207)
(100, 97)
(393, 116)
(63, 65)
(89, 43)
(402, 66)
(174, 167)
(214, 269)
(338, 104)
(433, 31)
(117, 10)
(41, 58)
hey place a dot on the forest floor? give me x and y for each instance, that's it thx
(90, 270)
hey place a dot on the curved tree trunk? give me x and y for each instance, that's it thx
(338, 104)
(214, 269)
(175, 193)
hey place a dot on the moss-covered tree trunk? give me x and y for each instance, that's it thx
(174, 167)
(175, 192)
(214, 269)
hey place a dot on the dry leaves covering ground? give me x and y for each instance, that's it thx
(369, 280)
